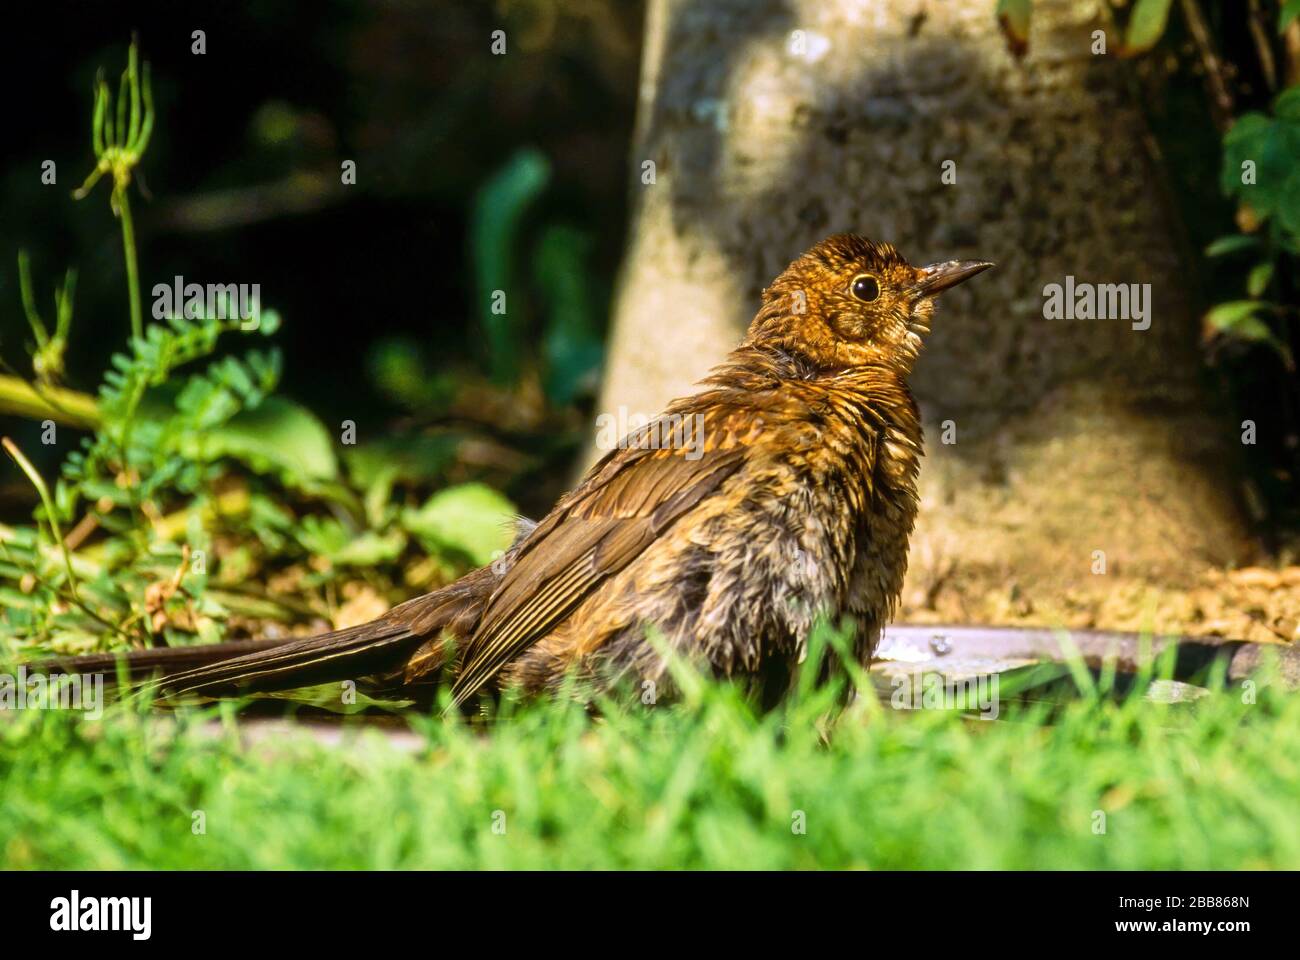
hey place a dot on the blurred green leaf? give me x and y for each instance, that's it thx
(278, 435)
(1288, 201)
(268, 322)
(413, 459)
(398, 369)
(1258, 279)
(1272, 144)
(472, 519)
(1239, 318)
(1287, 105)
(326, 537)
(495, 220)
(571, 345)
(371, 549)
(13, 599)
(1242, 142)
(1232, 243)
(1290, 10)
(1146, 25)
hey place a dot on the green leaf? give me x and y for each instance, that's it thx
(1248, 126)
(1251, 328)
(326, 537)
(495, 221)
(1147, 25)
(472, 519)
(1258, 279)
(1232, 243)
(1243, 141)
(1288, 203)
(370, 549)
(279, 435)
(1238, 318)
(1013, 18)
(1272, 145)
(12, 599)
(1287, 105)
(1290, 10)
(268, 322)
(571, 344)
(397, 367)
(403, 459)
(1286, 198)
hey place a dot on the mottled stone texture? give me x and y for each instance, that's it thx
(1072, 435)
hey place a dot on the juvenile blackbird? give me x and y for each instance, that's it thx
(784, 491)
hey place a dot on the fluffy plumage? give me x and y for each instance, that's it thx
(784, 491)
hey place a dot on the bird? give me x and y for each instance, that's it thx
(782, 492)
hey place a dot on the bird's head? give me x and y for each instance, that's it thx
(851, 301)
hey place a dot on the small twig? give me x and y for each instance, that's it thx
(1220, 96)
(84, 528)
(1263, 44)
(1291, 39)
(156, 596)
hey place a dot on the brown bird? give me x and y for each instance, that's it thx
(781, 493)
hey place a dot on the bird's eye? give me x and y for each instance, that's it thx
(865, 288)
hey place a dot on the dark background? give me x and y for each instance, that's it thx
(243, 178)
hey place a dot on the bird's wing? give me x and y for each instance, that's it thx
(627, 501)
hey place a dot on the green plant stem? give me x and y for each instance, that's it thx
(69, 407)
(34, 476)
(132, 269)
(43, 491)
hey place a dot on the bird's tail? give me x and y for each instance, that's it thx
(411, 643)
(224, 669)
(159, 661)
(375, 648)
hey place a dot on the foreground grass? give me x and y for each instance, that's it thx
(707, 784)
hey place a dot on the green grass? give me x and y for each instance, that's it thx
(704, 784)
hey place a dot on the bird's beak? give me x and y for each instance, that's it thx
(941, 276)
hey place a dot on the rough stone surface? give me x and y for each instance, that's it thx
(1073, 436)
